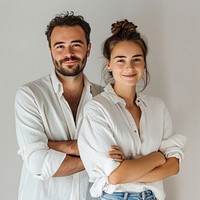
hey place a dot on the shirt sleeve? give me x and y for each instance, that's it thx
(94, 141)
(172, 144)
(41, 161)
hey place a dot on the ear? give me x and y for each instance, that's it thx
(108, 65)
(88, 49)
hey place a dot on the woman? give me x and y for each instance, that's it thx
(134, 128)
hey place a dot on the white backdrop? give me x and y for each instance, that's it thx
(173, 33)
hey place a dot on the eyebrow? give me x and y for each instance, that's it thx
(137, 55)
(74, 41)
(77, 41)
(57, 43)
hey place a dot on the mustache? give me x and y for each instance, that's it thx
(69, 58)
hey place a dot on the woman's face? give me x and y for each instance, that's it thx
(127, 63)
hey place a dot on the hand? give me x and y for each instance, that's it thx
(69, 147)
(117, 154)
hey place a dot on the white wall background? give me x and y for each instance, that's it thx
(173, 32)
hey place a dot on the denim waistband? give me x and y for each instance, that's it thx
(145, 195)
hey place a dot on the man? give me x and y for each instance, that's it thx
(48, 111)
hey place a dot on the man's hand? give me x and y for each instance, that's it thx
(69, 147)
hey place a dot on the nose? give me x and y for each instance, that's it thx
(130, 65)
(68, 52)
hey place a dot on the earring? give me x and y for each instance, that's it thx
(109, 69)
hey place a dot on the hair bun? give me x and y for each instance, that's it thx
(123, 25)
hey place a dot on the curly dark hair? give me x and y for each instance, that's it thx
(68, 19)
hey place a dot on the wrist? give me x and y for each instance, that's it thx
(72, 147)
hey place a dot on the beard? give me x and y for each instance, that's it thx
(72, 70)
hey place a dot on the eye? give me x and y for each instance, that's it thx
(76, 45)
(60, 46)
(137, 59)
(121, 61)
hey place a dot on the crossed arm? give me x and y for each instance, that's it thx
(150, 168)
(169, 168)
(72, 162)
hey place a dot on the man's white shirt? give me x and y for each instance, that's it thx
(43, 114)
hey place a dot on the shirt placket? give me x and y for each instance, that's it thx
(134, 133)
(69, 119)
(75, 191)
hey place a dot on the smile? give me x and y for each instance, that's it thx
(129, 75)
(69, 62)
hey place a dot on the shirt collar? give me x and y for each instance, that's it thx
(141, 98)
(58, 87)
(112, 95)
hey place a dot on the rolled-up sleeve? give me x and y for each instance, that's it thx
(32, 139)
(172, 144)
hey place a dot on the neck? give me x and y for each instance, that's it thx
(127, 93)
(72, 84)
(73, 88)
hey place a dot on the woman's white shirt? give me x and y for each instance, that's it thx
(106, 121)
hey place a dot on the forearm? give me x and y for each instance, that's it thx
(131, 170)
(69, 147)
(72, 162)
(171, 167)
(69, 166)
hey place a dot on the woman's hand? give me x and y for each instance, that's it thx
(116, 154)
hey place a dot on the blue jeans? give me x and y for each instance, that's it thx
(145, 195)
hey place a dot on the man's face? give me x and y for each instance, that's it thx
(69, 50)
